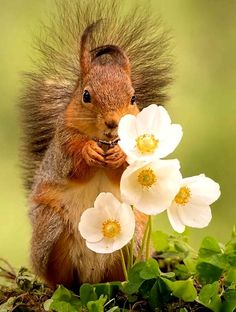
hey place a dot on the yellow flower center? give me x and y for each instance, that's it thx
(146, 143)
(183, 196)
(111, 228)
(147, 177)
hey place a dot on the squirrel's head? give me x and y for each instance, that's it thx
(104, 93)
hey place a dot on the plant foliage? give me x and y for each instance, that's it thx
(177, 278)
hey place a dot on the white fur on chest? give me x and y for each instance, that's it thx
(80, 197)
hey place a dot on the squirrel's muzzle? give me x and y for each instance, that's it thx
(111, 124)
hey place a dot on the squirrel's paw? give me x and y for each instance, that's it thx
(115, 157)
(93, 154)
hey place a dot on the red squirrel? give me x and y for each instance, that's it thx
(97, 65)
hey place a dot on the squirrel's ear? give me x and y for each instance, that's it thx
(85, 55)
(117, 54)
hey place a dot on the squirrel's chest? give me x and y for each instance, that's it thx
(78, 197)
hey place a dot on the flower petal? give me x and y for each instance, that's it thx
(90, 225)
(174, 219)
(203, 189)
(127, 132)
(122, 240)
(129, 187)
(126, 217)
(131, 151)
(195, 215)
(104, 246)
(151, 204)
(169, 140)
(107, 204)
(152, 119)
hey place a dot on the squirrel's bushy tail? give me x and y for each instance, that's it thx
(49, 89)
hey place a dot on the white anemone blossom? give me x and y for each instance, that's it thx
(149, 135)
(151, 186)
(191, 205)
(108, 226)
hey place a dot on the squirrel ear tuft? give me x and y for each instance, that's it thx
(85, 55)
(117, 54)
(88, 56)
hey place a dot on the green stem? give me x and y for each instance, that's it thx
(123, 265)
(149, 237)
(132, 246)
(128, 257)
(140, 253)
(131, 252)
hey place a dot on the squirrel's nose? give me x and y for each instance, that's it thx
(111, 124)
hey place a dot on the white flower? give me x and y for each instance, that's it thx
(108, 226)
(190, 206)
(151, 186)
(149, 135)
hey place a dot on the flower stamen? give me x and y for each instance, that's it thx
(111, 228)
(146, 143)
(183, 196)
(147, 177)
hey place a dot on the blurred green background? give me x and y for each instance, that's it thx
(202, 100)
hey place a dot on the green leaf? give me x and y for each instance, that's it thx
(64, 300)
(209, 297)
(159, 295)
(47, 304)
(208, 273)
(230, 295)
(108, 289)
(182, 272)
(181, 246)
(160, 241)
(228, 306)
(182, 289)
(97, 305)
(130, 288)
(138, 274)
(168, 275)
(134, 280)
(230, 276)
(150, 270)
(87, 293)
(209, 247)
(230, 251)
(220, 261)
(190, 264)
(134, 272)
(145, 288)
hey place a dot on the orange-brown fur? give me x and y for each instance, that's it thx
(81, 171)
(49, 195)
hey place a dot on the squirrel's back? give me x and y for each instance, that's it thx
(50, 87)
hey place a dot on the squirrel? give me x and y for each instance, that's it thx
(96, 65)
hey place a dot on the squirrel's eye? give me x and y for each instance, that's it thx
(133, 99)
(86, 97)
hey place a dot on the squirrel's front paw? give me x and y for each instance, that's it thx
(115, 157)
(93, 154)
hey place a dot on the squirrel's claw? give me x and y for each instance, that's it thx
(93, 154)
(115, 157)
